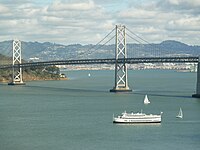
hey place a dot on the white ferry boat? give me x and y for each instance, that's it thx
(139, 117)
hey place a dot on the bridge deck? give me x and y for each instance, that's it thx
(107, 61)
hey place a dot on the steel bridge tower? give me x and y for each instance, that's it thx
(197, 95)
(121, 79)
(17, 71)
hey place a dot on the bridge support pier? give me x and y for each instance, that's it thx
(197, 95)
(121, 79)
(17, 72)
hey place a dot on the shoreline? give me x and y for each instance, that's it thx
(62, 79)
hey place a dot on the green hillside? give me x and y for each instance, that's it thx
(31, 73)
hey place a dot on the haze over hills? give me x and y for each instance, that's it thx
(52, 51)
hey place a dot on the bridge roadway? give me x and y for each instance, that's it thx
(107, 61)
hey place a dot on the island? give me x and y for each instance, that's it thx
(31, 73)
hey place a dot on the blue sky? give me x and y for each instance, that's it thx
(88, 21)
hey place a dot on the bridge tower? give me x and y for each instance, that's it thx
(197, 95)
(121, 79)
(17, 71)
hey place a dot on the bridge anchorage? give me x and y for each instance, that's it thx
(121, 79)
(16, 71)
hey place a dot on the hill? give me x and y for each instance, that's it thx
(31, 73)
(52, 51)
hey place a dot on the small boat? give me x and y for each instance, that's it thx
(146, 100)
(89, 74)
(138, 117)
(180, 114)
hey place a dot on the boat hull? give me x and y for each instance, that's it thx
(130, 121)
(136, 122)
(179, 117)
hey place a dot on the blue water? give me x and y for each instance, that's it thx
(77, 114)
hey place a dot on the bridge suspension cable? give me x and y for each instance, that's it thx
(99, 45)
(138, 36)
(133, 38)
(7, 52)
(143, 48)
(103, 39)
(105, 43)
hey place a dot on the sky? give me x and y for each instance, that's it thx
(88, 21)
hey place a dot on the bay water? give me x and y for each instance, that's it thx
(76, 114)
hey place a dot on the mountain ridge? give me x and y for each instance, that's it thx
(52, 51)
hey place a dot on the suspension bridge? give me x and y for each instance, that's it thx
(120, 58)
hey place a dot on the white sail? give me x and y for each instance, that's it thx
(180, 114)
(146, 100)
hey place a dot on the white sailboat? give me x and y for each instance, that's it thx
(146, 100)
(180, 114)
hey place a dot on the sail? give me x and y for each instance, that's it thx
(180, 114)
(146, 100)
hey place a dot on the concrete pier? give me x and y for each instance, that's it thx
(197, 95)
(16, 83)
(120, 90)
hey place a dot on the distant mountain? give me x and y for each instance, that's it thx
(180, 48)
(52, 51)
